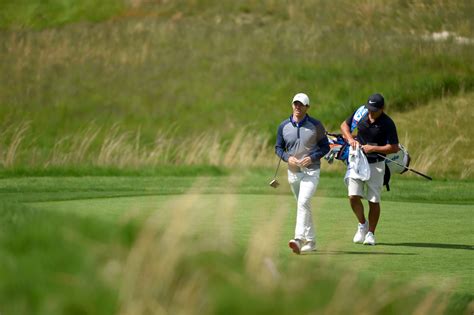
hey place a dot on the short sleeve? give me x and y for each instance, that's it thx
(392, 136)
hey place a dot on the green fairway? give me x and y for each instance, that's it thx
(415, 239)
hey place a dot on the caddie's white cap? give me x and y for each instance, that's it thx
(302, 98)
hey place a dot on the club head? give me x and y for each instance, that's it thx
(274, 183)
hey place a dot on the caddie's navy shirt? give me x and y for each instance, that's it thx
(301, 139)
(381, 132)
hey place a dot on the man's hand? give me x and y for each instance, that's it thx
(292, 161)
(306, 161)
(346, 132)
(369, 148)
(353, 143)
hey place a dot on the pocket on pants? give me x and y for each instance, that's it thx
(292, 177)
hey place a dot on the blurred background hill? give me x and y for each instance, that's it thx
(147, 83)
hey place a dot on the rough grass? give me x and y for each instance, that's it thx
(25, 14)
(188, 73)
(439, 136)
(436, 135)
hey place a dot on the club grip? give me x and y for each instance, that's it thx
(421, 174)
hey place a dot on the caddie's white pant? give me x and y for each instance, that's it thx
(303, 185)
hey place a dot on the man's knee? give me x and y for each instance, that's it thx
(354, 198)
(374, 205)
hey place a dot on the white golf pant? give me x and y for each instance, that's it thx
(303, 185)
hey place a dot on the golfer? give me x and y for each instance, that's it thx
(376, 135)
(302, 142)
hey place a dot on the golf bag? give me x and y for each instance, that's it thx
(401, 157)
(339, 150)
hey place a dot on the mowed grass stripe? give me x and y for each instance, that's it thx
(416, 240)
(253, 181)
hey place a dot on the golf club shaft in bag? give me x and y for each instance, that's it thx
(407, 168)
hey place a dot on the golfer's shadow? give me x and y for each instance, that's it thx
(431, 245)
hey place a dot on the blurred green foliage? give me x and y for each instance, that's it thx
(74, 256)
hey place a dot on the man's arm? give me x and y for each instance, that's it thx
(323, 149)
(346, 133)
(280, 145)
(384, 149)
(392, 142)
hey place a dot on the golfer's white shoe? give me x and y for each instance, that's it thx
(295, 245)
(308, 247)
(369, 239)
(362, 230)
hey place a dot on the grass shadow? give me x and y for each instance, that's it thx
(431, 245)
(345, 252)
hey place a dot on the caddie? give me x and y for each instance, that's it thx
(377, 134)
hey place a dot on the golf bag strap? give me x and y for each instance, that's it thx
(360, 113)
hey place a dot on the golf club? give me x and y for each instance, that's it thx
(274, 182)
(410, 169)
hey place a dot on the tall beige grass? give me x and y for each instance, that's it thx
(114, 147)
(438, 137)
(162, 276)
(14, 135)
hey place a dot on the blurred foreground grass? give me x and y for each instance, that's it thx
(201, 251)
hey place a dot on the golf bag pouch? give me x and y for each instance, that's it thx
(401, 160)
(339, 148)
(343, 153)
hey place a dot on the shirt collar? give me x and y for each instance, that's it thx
(298, 124)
